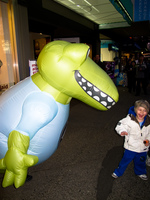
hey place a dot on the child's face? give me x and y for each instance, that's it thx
(140, 114)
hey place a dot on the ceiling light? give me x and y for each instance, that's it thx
(95, 8)
(71, 1)
(124, 9)
(87, 2)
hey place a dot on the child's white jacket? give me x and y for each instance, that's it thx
(136, 134)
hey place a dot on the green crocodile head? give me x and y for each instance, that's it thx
(67, 68)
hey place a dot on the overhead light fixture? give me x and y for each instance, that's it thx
(71, 1)
(95, 8)
(121, 5)
(87, 2)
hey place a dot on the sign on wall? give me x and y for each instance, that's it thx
(141, 10)
(33, 67)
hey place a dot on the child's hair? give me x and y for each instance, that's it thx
(142, 103)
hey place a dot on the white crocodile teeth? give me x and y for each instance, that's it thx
(103, 94)
(83, 80)
(84, 88)
(96, 89)
(89, 93)
(89, 84)
(108, 107)
(104, 103)
(79, 75)
(91, 90)
(110, 99)
(96, 98)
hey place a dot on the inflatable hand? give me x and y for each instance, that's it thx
(16, 161)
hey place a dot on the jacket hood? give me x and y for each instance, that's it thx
(131, 111)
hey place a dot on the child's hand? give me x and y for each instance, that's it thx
(146, 142)
(123, 133)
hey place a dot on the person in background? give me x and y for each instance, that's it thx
(141, 77)
(148, 158)
(147, 61)
(133, 63)
(136, 129)
(98, 62)
(130, 69)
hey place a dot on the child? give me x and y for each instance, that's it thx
(136, 129)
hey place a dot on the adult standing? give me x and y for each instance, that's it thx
(130, 69)
(141, 79)
(98, 62)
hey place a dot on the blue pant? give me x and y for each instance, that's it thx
(139, 160)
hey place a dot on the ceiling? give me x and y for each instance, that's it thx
(113, 25)
(100, 11)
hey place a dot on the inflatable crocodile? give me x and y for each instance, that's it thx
(34, 112)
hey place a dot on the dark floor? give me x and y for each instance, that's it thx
(81, 167)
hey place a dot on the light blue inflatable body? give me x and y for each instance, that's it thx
(36, 113)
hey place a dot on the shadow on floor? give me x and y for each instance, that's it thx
(105, 180)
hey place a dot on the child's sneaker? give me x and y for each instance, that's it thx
(143, 177)
(114, 175)
(148, 161)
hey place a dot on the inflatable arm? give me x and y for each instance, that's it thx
(36, 113)
(16, 161)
